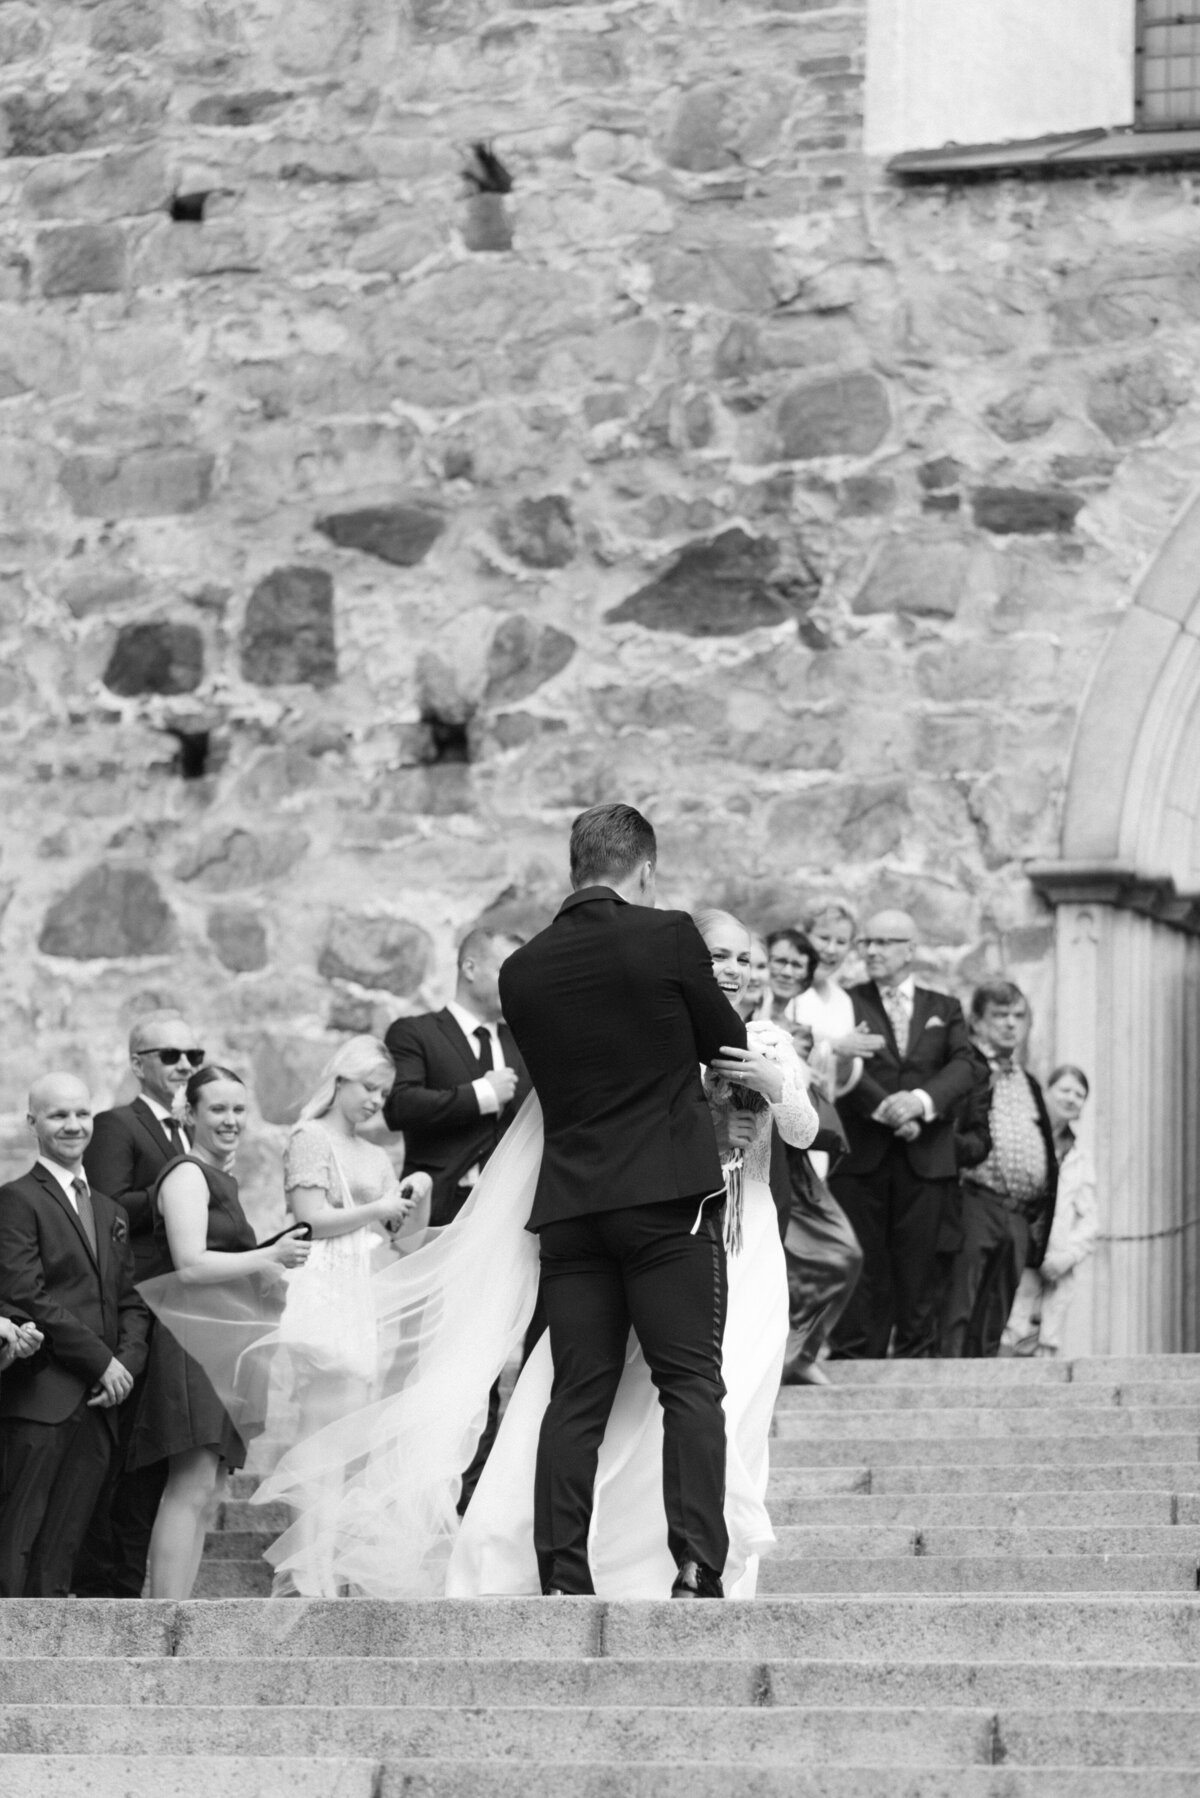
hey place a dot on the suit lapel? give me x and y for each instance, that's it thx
(881, 1020)
(51, 1186)
(453, 1032)
(151, 1126)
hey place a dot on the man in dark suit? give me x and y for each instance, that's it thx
(898, 1174)
(614, 1007)
(66, 1266)
(460, 1082)
(130, 1146)
(1008, 1196)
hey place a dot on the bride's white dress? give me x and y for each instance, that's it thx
(627, 1545)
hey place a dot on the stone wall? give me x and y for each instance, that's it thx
(359, 524)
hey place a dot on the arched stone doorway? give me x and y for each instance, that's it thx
(1127, 900)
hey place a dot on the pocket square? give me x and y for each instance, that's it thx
(120, 1230)
(935, 1023)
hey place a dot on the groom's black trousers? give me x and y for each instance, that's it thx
(601, 1274)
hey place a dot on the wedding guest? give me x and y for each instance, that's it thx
(460, 1082)
(1008, 1198)
(66, 1271)
(824, 1004)
(1039, 1315)
(131, 1144)
(791, 959)
(345, 1188)
(892, 1182)
(18, 1341)
(202, 1233)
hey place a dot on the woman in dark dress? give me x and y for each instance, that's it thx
(204, 1236)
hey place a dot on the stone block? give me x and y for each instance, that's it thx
(121, 183)
(229, 859)
(239, 937)
(42, 122)
(696, 136)
(1025, 413)
(81, 259)
(402, 535)
(739, 352)
(155, 657)
(151, 483)
(1137, 399)
(384, 953)
(847, 415)
(235, 112)
(523, 656)
(23, 35)
(124, 27)
(923, 576)
(864, 819)
(285, 1070)
(1021, 511)
(719, 587)
(539, 532)
(288, 635)
(111, 913)
(487, 224)
(724, 277)
(866, 495)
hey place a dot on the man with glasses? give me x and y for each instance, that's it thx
(130, 1147)
(901, 1165)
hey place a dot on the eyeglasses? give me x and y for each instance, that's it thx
(170, 1057)
(884, 942)
(787, 961)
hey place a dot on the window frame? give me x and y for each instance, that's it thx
(1143, 25)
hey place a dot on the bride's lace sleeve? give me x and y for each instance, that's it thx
(307, 1159)
(795, 1115)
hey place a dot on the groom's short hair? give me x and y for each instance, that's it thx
(607, 843)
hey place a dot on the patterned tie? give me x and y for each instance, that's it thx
(896, 1006)
(83, 1204)
(483, 1037)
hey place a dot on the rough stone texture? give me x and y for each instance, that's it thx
(1016, 510)
(288, 634)
(730, 376)
(112, 912)
(239, 937)
(155, 658)
(403, 535)
(381, 952)
(81, 259)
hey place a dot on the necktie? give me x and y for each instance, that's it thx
(895, 1005)
(83, 1204)
(174, 1130)
(483, 1037)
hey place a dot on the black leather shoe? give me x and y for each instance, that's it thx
(695, 1580)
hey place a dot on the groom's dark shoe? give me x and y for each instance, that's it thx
(695, 1580)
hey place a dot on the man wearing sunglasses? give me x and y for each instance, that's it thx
(130, 1146)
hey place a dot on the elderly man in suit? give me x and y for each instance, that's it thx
(66, 1266)
(460, 1081)
(901, 1164)
(131, 1145)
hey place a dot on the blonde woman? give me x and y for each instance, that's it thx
(347, 1191)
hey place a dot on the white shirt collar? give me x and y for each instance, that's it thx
(468, 1023)
(904, 989)
(160, 1111)
(63, 1175)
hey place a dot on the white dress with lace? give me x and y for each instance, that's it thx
(627, 1546)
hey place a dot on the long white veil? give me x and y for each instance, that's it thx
(375, 1491)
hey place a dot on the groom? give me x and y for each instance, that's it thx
(614, 1007)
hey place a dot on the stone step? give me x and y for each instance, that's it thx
(231, 1776)
(1013, 1396)
(1012, 1478)
(224, 1578)
(1127, 1629)
(991, 1450)
(1010, 1573)
(913, 1736)
(981, 1510)
(1099, 1421)
(1095, 1370)
(826, 1541)
(681, 1684)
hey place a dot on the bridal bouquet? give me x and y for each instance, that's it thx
(772, 1043)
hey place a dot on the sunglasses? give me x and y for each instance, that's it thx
(169, 1057)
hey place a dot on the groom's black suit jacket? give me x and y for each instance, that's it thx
(433, 1101)
(614, 1006)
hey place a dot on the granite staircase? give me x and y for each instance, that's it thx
(986, 1588)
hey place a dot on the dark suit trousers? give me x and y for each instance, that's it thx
(986, 1273)
(601, 1275)
(51, 1475)
(896, 1216)
(112, 1561)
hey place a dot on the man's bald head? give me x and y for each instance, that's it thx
(60, 1115)
(888, 943)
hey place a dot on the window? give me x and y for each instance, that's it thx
(1168, 64)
